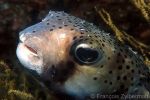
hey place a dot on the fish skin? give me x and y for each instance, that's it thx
(48, 48)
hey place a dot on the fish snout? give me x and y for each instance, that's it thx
(46, 53)
(30, 54)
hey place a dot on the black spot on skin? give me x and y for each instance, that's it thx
(103, 45)
(137, 65)
(74, 38)
(132, 62)
(125, 56)
(70, 22)
(103, 40)
(86, 31)
(47, 20)
(80, 27)
(34, 31)
(123, 61)
(96, 36)
(117, 61)
(119, 54)
(127, 67)
(124, 77)
(122, 86)
(126, 89)
(95, 78)
(130, 55)
(65, 25)
(60, 27)
(51, 29)
(102, 66)
(97, 41)
(110, 83)
(132, 84)
(105, 81)
(119, 45)
(108, 58)
(53, 25)
(81, 36)
(53, 66)
(136, 61)
(139, 84)
(86, 39)
(91, 42)
(121, 50)
(132, 70)
(132, 78)
(120, 67)
(118, 77)
(110, 72)
(139, 72)
(71, 29)
(47, 23)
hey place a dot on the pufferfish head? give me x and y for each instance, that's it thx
(75, 57)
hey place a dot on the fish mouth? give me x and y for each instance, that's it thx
(32, 50)
(29, 48)
(30, 57)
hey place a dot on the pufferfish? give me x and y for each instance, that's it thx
(76, 58)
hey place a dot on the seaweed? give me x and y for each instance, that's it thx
(21, 95)
(126, 38)
(20, 86)
(143, 7)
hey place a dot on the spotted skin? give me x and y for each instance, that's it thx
(48, 48)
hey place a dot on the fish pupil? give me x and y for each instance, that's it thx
(87, 55)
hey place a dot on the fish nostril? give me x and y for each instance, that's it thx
(22, 37)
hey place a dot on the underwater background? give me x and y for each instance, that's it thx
(131, 17)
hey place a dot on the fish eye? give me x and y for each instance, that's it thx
(84, 54)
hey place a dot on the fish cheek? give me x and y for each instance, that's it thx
(116, 74)
(59, 73)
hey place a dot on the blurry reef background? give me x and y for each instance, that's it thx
(15, 15)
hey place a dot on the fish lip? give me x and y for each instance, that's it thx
(30, 45)
(30, 48)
